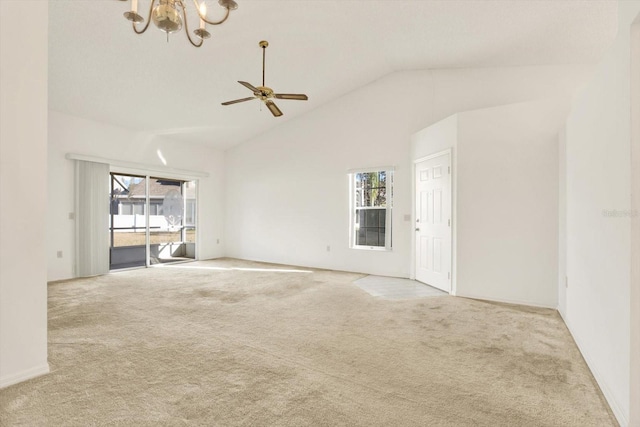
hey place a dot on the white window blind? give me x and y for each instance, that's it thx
(92, 218)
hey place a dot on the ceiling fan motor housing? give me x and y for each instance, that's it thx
(265, 93)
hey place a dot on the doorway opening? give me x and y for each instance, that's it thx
(152, 221)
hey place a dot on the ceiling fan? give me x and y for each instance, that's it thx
(265, 94)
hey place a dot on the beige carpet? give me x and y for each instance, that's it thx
(228, 344)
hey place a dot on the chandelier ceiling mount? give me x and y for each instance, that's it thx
(170, 16)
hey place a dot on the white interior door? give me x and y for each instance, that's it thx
(433, 221)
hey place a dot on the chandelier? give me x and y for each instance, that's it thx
(170, 15)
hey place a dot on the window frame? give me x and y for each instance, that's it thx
(353, 209)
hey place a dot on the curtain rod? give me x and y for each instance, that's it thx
(139, 166)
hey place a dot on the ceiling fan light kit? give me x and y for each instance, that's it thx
(264, 93)
(170, 15)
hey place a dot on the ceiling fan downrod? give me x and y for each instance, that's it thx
(263, 44)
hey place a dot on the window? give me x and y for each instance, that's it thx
(138, 208)
(371, 203)
(125, 209)
(155, 207)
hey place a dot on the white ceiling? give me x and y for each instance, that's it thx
(101, 70)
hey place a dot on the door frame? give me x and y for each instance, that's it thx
(452, 164)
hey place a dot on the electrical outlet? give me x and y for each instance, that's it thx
(328, 248)
(59, 254)
(407, 217)
(566, 281)
(72, 215)
(218, 241)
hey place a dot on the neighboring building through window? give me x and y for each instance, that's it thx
(371, 203)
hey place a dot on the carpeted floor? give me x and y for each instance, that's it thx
(234, 343)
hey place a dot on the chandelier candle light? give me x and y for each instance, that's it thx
(169, 15)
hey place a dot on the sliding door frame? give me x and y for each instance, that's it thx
(148, 175)
(147, 216)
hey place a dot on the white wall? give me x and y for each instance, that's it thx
(438, 137)
(287, 193)
(505, 174)
(598, 246)
(562, 221)
(69, 134)
(634, 416)
(23, 174)
(507, 203)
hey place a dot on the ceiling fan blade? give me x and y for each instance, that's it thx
(295, 96)
(235, 101)
(249, 86)
(273, 108)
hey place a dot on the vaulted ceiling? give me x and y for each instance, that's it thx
(99, 69)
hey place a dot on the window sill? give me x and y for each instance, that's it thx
(372, 248)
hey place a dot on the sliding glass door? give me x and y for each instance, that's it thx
(152, 221)
(169, 240)
(127, 222)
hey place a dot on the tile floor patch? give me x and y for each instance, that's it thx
(394, 288)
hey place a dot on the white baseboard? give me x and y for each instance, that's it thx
(16, 378)
(506, 301)
(613, 404)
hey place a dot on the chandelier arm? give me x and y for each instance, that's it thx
(204, 18)
(186, 29)
(133, 24)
